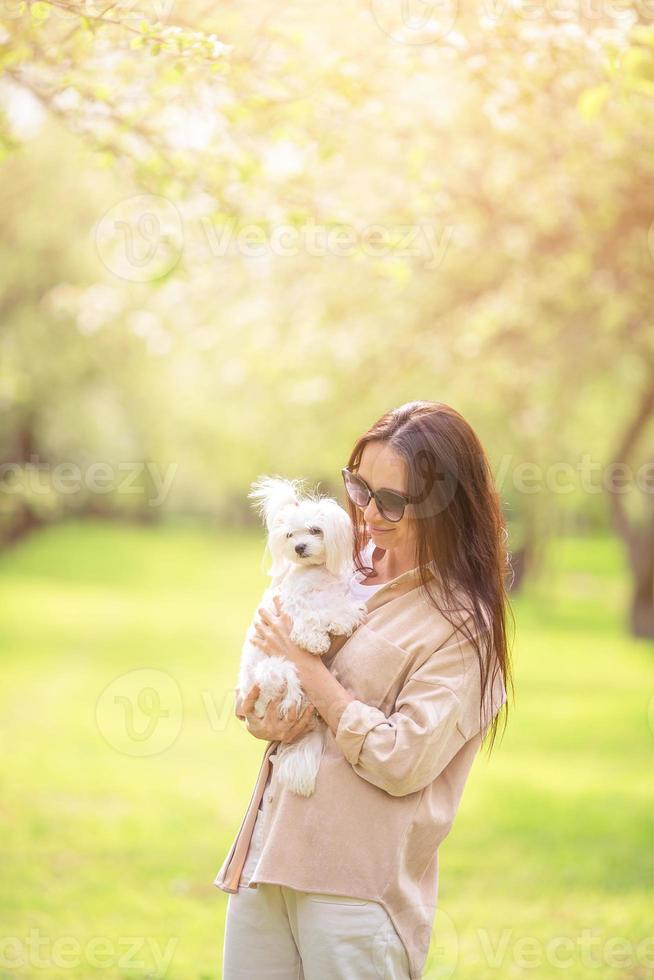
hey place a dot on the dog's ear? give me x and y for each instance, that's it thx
(338, 538)
(274, 545)
(271, 494)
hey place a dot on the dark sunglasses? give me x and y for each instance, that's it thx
(389, 503)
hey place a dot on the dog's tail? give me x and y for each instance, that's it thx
(272, 493)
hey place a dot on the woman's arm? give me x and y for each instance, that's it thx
(437, 712)
(325, 692)
(273, 634)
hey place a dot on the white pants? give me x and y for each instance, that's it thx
(277, 933)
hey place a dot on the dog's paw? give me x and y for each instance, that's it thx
(321, 643)
(342, 628)
(348, 626)
(315, 641)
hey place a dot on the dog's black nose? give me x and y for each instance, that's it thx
(300, 548)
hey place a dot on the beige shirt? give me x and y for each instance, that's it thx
(391, 779)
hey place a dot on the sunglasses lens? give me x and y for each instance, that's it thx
(356, 490)
(391, 506)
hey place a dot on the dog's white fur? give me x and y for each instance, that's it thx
(310, 574)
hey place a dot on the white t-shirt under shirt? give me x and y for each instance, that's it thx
(357, 591)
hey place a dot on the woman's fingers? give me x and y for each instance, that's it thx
(311, 716)
(304, 723)
(296, 729)
(250, 699)
(273, 725)
(272, 713)
(294, 715)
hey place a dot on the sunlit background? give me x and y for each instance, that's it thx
(233, 235)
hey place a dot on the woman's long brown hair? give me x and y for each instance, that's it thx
(461, 531)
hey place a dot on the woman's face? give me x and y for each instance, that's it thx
(383, 469)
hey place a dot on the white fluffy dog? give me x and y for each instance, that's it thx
(310, 539)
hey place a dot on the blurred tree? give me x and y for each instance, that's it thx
(347, 220)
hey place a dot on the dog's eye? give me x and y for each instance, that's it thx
(289, 534)
(315, 530)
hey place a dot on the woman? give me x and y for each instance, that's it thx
(342, 885)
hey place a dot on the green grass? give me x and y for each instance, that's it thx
(552, 842)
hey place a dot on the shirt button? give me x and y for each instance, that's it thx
(269, 798)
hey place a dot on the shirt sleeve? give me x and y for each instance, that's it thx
(435, 716)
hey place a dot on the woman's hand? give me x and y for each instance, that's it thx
(271, 727)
